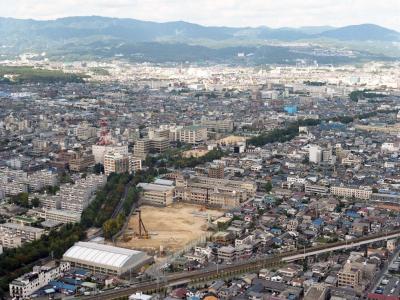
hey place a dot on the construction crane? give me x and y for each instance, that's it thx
(143, 233)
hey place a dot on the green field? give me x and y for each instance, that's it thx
(16, 75)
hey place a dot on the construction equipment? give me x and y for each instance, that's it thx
(143, 233)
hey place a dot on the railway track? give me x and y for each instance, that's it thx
(237, 268)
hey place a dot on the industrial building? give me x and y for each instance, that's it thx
(105, 259)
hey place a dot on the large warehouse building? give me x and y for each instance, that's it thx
(105, 259)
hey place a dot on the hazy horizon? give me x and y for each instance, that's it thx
(230, 13)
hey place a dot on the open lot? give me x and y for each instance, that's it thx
(171, 227)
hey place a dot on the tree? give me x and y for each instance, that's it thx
(268, 186)
(98, 168)
(22, 199)
(35, 202)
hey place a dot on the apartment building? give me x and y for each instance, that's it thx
(23, 287)
(356, 274)
(99, 151)
(155, 133)
(57, 215)
(17, 181)
(84, 131)
(349, 276)
(27, 233)
(141, 148)
(8, 240)
(216, 171)
(193, 135)
(40, 179)
(76, 197)
(157, 194)
(135, 164)
(47, 201)
(81, 162)
(115, 162)
(13, 188)
(159, 144)
(224, 125)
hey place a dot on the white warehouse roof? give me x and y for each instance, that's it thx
(105, 256)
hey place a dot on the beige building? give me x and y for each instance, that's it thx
(157, 194)
(225, 125)
(351, 192)
(193, 135)
(81, 162)
(26, 233)
(58, 215)
(99, 151)
(213, 191)
(115, 163)
(141, 148)
(216, 171)
(349, 276)
(356, 275)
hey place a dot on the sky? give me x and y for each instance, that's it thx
(239, 13)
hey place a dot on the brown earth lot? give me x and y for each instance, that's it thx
(171, 227)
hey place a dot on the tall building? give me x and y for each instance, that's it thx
(159, 144)
(141, 148)
(193, 135)
(100, 150)
(81, 162)
(315, 154)
(115, 163)
(216, 171)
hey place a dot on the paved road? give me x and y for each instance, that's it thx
(384, 270)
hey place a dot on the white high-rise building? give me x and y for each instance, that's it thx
(315, 154)
(100, 150)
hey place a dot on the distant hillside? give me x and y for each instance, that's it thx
(100, 36)
(364, 32)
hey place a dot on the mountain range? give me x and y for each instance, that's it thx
(107, 37)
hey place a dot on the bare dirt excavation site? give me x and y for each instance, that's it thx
(169, 228)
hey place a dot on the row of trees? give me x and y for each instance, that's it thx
(112, 226)
(281, 134)
(364, 94)
(106, 199)
(291, 131)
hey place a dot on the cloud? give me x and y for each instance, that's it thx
(271, 13)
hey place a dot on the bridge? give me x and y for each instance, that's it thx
(347, 245)
(240, 267)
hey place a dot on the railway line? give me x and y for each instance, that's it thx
(239, 267)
